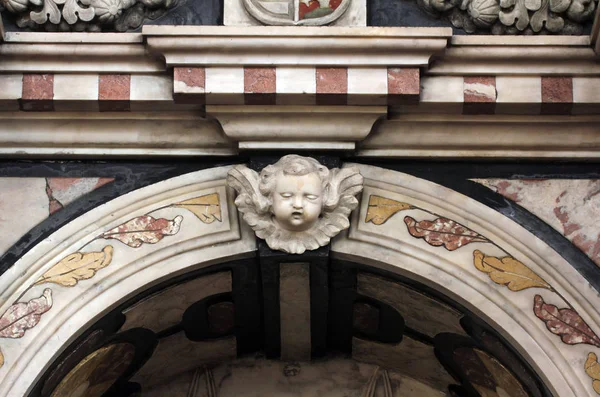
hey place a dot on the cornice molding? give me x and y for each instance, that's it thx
(76, 53)
(110, 134)
(279, 46)
(493, 136)
(518, 55)
(297, 127)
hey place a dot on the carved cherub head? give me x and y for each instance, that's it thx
(297, 203)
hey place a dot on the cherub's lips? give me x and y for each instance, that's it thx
(297, 213)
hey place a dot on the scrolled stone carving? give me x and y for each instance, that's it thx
(84, 15)
(296, 204)
(514, 16)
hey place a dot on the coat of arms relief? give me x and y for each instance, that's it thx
(297, 12)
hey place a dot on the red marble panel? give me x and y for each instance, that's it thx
(557, 95)
(404, 85)
(192, 77)
(38, 92)
(260, 86)
(332, 86)
(114, 92)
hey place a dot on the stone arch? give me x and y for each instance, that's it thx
(199, 227)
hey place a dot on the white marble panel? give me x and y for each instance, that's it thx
(296, 85)
(225, 85)
(12, 87)
(518, 95)
(150, 92)
(23, 204)
(443, 93)
(367, 86)
(76, 92)
(586, 95)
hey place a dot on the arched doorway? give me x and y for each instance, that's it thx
(428, 289)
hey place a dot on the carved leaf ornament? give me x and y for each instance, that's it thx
(592, 368)
(206, 208)
(443, 231)
(144, 229)
(565, 322)
(381, 209)
(23, 316)
(513, 17)
(77, 266)
(85, 15)
(506, 270)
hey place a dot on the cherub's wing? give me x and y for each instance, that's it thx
(344, 185)
(249, 200)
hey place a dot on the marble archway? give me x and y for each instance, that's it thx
(405, 226)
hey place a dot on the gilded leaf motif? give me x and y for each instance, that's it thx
(78, 266)
(508, 271)
(443, 231)
(565, 322)
(144, 229)
(381, 209)
(207, 208)
(22, 316)
(1, 359)
(592, 368)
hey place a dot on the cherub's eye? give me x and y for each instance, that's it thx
(286, 195)
(312, 196)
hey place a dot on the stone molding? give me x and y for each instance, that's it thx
(474, 136)
(111, 134)
(297, 127)
(280, 46)
(296, 85)
(184, 134)
(193, 244)
(518, 55)
(409, 71)
(402, 89)
(76, 53)
(381, 239)
(378, 239)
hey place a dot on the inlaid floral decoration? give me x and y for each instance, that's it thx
(506, 271)
(81, 265)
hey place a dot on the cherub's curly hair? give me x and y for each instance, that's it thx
(291, 165)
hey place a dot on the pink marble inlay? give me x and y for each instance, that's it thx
(571, 206)
(191, 77)
(62, 191)
(259, 80)
(404, 81)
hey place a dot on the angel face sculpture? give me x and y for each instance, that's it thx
(296, 204)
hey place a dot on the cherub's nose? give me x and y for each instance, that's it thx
(297, 202)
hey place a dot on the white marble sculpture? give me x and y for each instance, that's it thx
(296, 204)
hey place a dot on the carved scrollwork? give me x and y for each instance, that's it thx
(513, 17)
(84, 15)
